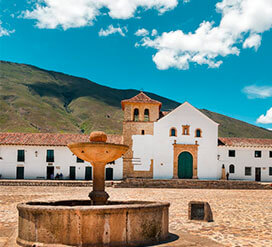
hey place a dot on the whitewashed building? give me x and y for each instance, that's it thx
(44, 156)
(247, 159)
(180, 144)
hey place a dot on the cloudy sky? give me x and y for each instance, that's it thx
(214, 53)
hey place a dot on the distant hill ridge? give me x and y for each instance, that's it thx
(37, 100)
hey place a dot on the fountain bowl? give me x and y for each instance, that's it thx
(78, 223)
(97, 152)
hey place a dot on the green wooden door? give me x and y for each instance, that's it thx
(109, 173)
(185, 165)
(20, 173)
(88, 173)
(72, 172)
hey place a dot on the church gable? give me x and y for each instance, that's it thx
(186, 112)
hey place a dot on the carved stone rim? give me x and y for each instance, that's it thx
(93, 144)
(113, 205)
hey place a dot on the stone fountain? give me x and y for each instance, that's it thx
(95, 222)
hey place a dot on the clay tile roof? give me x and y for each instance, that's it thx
(49, 139)
(140, 98)
(244, 142)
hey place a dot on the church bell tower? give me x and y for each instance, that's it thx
(140, 113)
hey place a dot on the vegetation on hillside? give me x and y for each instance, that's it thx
(37, 100)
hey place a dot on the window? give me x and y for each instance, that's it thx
(270, 171)
(270, 154)
(247, 171)
(50, 156)
(185, 130)
(198, 133)
(143, 132)
(231, 153)
(258, 154)
(231, 168)
(173, 132)
(21, 155)
(78, 160)
(146, 115)
(136, 115)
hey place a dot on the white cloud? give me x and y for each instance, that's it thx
(253, 40)
(254, 92)
(154, 32)
(77, 13)
(267, 118)
(210, 43)
(111, 30)
(142, 32)
(5, 32)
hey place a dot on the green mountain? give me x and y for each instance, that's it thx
(37, 100)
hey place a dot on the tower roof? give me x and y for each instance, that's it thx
(141, 98)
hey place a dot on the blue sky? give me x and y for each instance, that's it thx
(214, 54)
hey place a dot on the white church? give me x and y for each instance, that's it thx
(181, 144)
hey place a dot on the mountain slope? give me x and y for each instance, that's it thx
(37, 100)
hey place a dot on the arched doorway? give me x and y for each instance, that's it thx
(185, 165)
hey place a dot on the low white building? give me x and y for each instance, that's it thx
(180, 144)
(44, 156)
(246, 159)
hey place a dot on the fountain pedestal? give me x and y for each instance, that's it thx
(99, 196)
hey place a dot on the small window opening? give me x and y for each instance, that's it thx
(258, 154)
(231, 153)
(198, 133)
(173, 132)
(143, 132)
(185, 130)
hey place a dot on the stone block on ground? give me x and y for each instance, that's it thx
(200, 211)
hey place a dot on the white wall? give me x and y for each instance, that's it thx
(245, 157)
(160, 146)
(36, 166)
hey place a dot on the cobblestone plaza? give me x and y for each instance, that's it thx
(241, 217)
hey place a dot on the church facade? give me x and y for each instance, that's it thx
(181, 144)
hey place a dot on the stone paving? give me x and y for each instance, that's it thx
(241, 217)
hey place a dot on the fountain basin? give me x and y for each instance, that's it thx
(77, 223)
(97, 152)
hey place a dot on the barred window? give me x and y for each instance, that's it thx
(247, 171)
(50, 156)
(21, 155)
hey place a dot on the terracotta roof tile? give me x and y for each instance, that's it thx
(244, 142)
(49, 139)
(140, 98)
